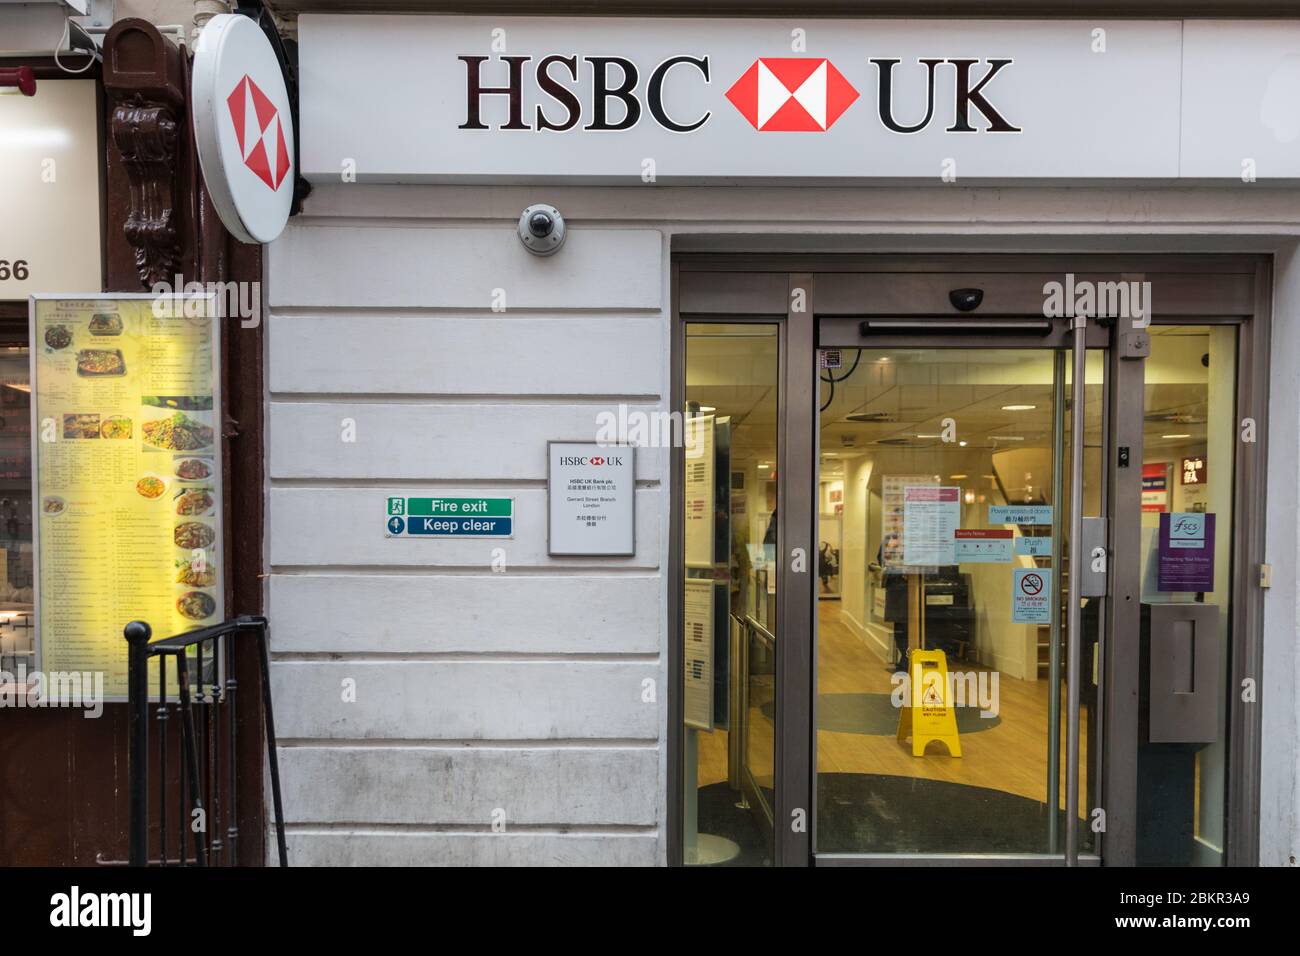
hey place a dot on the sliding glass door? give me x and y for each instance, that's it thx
(950, 470)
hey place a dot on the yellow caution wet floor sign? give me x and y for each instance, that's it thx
(931, 715)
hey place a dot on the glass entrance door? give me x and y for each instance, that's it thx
(940, 703)
(730, 592)
(1189, 420)
(958, 587)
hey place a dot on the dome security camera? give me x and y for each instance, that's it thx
(966, 300)
(542, 229)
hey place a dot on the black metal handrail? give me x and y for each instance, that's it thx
(211, 649)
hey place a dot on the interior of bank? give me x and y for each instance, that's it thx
(941, 547)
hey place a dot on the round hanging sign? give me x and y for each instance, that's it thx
(243, 127)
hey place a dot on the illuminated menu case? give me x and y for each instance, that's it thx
(127, 475)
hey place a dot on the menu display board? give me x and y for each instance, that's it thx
(127, 475)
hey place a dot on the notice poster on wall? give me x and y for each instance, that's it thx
(893, 518)
(127, 475)
(931, 516)
(697, 689)
(1186, 552)
(1155, 487)
(698, 495)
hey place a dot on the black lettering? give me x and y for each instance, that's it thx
(474, 90)
(559, 93)
(886, 95)
(655, 93)
(966, 96)
(601, 93)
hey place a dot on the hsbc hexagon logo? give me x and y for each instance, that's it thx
(243, 127)
(259, 132)
(792, 94)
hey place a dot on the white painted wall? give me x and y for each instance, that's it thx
(482, 698)
(1279, 825)
(522, 691)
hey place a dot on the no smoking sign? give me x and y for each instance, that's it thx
(1031, 596)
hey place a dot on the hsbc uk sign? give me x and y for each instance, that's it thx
(774, 94)
(600, 99)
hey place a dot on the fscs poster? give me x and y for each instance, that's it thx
(1186, 552)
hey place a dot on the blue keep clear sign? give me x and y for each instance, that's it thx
(450, 517)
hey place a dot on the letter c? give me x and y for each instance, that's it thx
(655, 93)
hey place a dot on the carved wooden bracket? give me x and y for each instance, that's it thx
(145, 84)
(145, 135)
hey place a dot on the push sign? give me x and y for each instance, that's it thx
(450, 517)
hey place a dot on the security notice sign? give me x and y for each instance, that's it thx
(450, 517)
(591, 504)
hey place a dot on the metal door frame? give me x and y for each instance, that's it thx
(1191, 290)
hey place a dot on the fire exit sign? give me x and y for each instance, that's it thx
(453, 517)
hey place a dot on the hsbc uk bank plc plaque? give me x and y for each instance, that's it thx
(591, 507)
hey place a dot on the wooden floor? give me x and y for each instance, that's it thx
(1011, 756)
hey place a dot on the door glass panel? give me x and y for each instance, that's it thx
(1189, 449)
(1091, 619)
(952, 467)
(730, 592)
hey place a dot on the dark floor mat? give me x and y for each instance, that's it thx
(875, 715)
(874, 813)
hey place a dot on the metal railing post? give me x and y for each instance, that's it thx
(137, 635)
(203, 758)
(190, 754)
(263, 640)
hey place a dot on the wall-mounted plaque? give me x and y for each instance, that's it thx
(591, 507)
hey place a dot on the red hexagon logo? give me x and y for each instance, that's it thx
(258, 131)
(792, 94)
